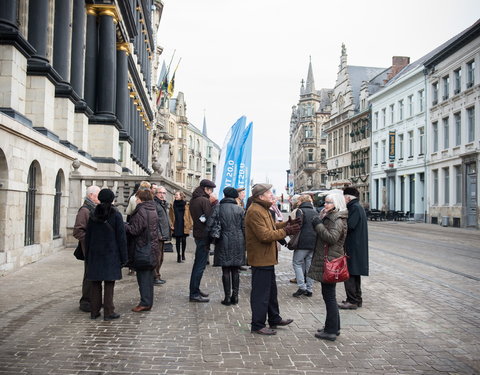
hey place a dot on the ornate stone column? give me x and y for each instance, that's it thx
(121, 108)
(77, 67)
(62, 39)
(91, 59)
(8, 14)
(37, 28)
(106, 65)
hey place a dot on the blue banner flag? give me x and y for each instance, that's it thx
(236, 158)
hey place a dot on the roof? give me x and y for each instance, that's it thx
(358, 74)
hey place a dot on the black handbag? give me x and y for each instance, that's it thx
(293, 242)
(143, 257)
(78, 253)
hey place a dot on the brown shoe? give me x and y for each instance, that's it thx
(294, 280)
(141, 308)
(347, 306)
(265, 331)
(281, 323)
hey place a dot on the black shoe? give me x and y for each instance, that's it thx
(85, 308)
(281, 323)
(265, 331)
(242, 268)
(158, 282)
(226, 302)
(94, 316)
(203, 294)
(234, 299)
(299, 293)
(199, 299)
(326, 336)
(323, 329)
(111, 316)
(308, 294)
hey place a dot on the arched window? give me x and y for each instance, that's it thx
(30, 205)
(57, 205)
(198, 146)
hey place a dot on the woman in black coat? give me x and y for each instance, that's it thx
(143, 229)
(230, 246)
(106, 252)
(181, 223)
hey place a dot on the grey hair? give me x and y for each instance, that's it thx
(92, 190)
(338, 201)
(158, 188)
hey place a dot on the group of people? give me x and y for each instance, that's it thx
(240, 236)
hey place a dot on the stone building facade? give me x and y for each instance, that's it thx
(453, 149)
(75, 109)
(307, 139)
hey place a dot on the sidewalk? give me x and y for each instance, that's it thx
(407, 325)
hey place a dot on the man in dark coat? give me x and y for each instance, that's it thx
(356, 245)
(79, 232)
(200, 210)
(163, 228)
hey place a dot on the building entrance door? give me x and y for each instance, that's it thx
(471, 201)
(412, 195)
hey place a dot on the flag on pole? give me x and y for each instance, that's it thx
(236, 158)
(171, 86)
(161, 78)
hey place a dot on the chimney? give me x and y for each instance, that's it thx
(398, 63)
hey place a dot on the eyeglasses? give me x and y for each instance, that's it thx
(328, 202)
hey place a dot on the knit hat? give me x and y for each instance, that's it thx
(207, 183)
(230, 192)
(106, 196)
(351, 191)
(259, 189)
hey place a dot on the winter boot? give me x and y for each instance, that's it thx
(226, 288)
(235, 287)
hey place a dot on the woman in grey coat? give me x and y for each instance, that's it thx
(331, 228)
(230, 246)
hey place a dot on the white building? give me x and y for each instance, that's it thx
(453, 99)
(398, 143)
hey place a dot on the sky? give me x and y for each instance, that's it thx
(248, 57)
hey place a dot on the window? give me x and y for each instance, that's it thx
(57, 205)
(471, 124)
(420, 101)
(435, 186)
(308, 131)
(198, 169)
(179, 131)
(310, 154)
(410, 105)
(198, 146)
(458, 128)
(375, 117)
(435, 136)
(421, 140)
(458, 184)
(340, 141)
(400, 146)
(470, 74)
(400, 110)
(446, 133)
(190, 142)
(384, 117)
(457, 74)
(376, 153)
(384, 151)
(410, 144)
(190, 162)
(435, 93)
(446, 87)
(392, 113)
(446, 186)
(346, 138)
(180, 154)
(30, 205)
(329, 148)
(335, 142)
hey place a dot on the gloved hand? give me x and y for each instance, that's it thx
(292, 229)
(291, 221)
(316, 220)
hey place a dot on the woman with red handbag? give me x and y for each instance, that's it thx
(331, 229)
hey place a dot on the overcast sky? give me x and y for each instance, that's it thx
(247, 57)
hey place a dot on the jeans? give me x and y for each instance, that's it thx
(332, 320)
(145, 286)
(263, 297)
(199, 264)
(302, 259)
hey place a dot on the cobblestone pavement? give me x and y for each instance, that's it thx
(421, 315)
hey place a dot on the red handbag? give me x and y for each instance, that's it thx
(336, 270)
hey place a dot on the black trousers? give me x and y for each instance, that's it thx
(353, 290)
(96, 297)
(145, 286)
(332, 320)
(86, 289)
(263, 297)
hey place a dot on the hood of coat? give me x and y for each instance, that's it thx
(148, 206)
(335, 215)
(179, 204)
(199, 192)
(228, 200)
(306, 205)
(264, 204)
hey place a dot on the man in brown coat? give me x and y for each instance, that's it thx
(79, 232)
(261, 234)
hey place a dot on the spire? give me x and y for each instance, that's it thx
(310, 86)
(204, 130)
(302, 87)
(343, 57)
